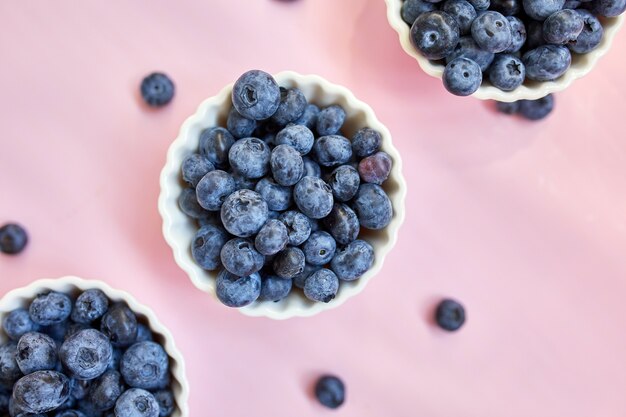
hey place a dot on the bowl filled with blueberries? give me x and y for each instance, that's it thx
(71, 347)
(506, 50)
(282, 195)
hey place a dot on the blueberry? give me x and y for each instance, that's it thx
(277, 197)
(309, 117)
(250, 157)
(412, 9)
(537, 109)
(450, 315)
(13, 239)
(319, 249)
(144, 334)
(507, 72)
(507, 108)
(435, 34)
(492, 32)
(372, 207)
(366, 142)
(243, 183)
(343, 224)
(57, 331)
(291, 107)
(145, 365)
(116, 358)
(608, 8)
(330, 391)
(274, 288)
(215, 143)
(256, 95)
(322, 285)
(243, 213)
(330, 120)
(547, 62)
(313, 197)
(376, 168)
(157, 89)
(9, 369)
(18, 322)
(105, 391)
(591, 35)
(239, 126)
(166, 401)
(188, 203)
(541, 9)
(272, 238)
(120, 325)
(195, 166)
(463, 12)
(467, 48)
(301, 278)
(36, 352)
(562, 27)
(50, 308)
(344, 182)
(286, 164)
(289, 262)
(41, 391)
(298, 136)
(234, 291)
(90, 306)
(518, 34)
(136, 403)
(213, 189)
(534, 35)
(461, 77)
(207, 245)
(86, 354)
(332, 150)
(240, 258)
(507, 7)
(298, 226)
(70, 413)
(311, 168)
(480, 4)
(353, 261)
(79, 388)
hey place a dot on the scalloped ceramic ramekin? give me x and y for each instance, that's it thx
(179, 230)
(21, 298)
(531, 90)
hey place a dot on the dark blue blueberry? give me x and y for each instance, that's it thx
(313, 197)
(234, 291)
(591, 35)
(562, 27)
(36, 352)
(215, 143)
(492, 32)
(301, 278)
(534, 35)
(372, 207)
(412, 9)
(41, 391)
(207, 245)
(9, 369)
(547, 62)
(467, 48)
(463, 12)
(250, 157)
(274, 288)
(243, 213)
(375, 168)
(537, 109)
(507, 72)
(366, 142)
(157, 89)
(507, 7)
(86, 354)
(240, 258)
(166, 401)
(518, 34)
(213, 189)
(330, 391)
(272, 238)
(195, 166)
(507, 108)
(319, 249)
(541, 9)
(188, 203)
(330, 120)
(332, 150)
(136, 402)
(145, 365)
(608, 8)
(256, 95)
(344, 182)
(298, 136)
(13, 239)
(289, 262)
(291, 107)
(286, 165)
(342, 223)
(239, 126)
(352, 261)
(105, 390)
(120, 325)
(18, 322)
(461, 77)
(309, 117)
(277, 197)
(450, 315)
(435, 34)
(298, 226)
(311, 168)
(89, 306)
(144, 334)
(480, 4)
(322, 285)
(50, 308)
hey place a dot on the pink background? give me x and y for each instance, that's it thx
(525, 223)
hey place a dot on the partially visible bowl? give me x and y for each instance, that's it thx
(21, 298)
(531, 90)
(179, 230)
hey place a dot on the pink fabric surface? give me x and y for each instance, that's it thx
(524, 223)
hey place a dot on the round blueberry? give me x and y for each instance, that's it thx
(313, 197)
(309, 117)
(289, 262)
(166, 401)
(412, 9)
(298, 226)
(277, 197)
(90, 305)
(291, 107)
(344, 181)
(591, 35)
(50, 308)
(332, 150)
(274, 288)
(105, 390)
(322, 285)
(492, 32)
(435, 34)
(136, 403)
(518, 34)
(239, 126)
(18, 322)
(353, 261)
(145, 365)
(480, 5)
(272, 238)
(319, 248)
(120, 325)
(299, 137)
(213, 189)
(188, 203)
(144, 334)
(311, 168)
(243, 213)
(450, 315)
(461, 77)
(507, 72)
(9, 369)
(541, 9)
(36, 352)
(537, 109)
(215, 143)
(287, 165)
(376, 168)
(195, 166)
(366, 142)
(256, 95)
(240, 258)
(330, 391)
(86, 354)
(330, 120)
(207, 245)
(157, 89)
(462, 11)
(250, 157)
(547, 62)
(41, 391)
(13, 239)
(467, 48)
(343, 224)
(608, 8)
(562, 27)
(507, 7)
(234, 291)
(372, 207)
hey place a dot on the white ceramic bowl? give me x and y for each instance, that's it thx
(21, 298)
(179, 230)
(531, 90)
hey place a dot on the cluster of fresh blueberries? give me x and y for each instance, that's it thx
(82, 357)
(281, 196)
(509, 41)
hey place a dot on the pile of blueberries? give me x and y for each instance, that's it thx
(509, 41)
(83, 357)
(281, 196)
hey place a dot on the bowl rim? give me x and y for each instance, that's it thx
(172, 168)
(489, 92)
(60, 284)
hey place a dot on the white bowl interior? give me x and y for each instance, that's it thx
(179, 230)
